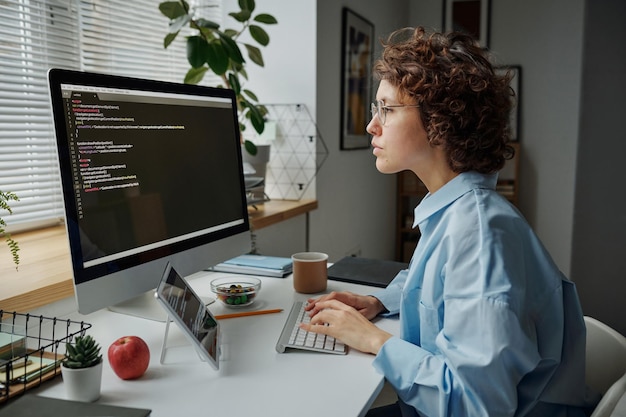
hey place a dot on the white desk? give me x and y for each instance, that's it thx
(253, 378)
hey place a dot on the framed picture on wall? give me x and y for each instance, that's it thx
(516, 84)
(356, 83)
(468, 16)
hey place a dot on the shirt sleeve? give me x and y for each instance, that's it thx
(482, 354)
(390, 297)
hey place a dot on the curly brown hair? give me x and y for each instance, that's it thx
(463, 103)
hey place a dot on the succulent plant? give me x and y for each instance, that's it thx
(84, 353)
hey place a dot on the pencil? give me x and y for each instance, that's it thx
(247, 313)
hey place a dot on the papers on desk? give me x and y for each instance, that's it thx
(267, 266)
(11, 345)
(25, 371)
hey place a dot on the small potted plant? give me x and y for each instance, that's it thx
(5, 197)
(82, 369)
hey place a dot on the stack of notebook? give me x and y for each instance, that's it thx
(268, 266)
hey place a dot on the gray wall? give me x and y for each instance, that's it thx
(573, 65)
(599, 243)
(356, 213)
(357, 203)
(545, 39)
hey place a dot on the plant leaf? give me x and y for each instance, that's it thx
(259, 34)
(234, 83)
(172, 9)
(256, 118)
(250, 94)
(250, 147)
(241, 16)
(207, 24)
(14, 248)
(197, 51)
(255, 55)
(195, 75)
(5, 196)
(169, 38)
(231, 48)
(217, 58)
(268, 19)
(247, 5)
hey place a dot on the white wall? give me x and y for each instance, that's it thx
(290, 58)
(287, 77)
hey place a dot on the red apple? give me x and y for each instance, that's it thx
(129, 357)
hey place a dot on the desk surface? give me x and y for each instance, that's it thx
(253, 378)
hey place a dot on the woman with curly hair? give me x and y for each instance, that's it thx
(489, 325)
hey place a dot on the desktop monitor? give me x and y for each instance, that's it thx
(151, 173)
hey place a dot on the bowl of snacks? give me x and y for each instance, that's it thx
(236, 291)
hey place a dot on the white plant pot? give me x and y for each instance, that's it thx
(82, 384)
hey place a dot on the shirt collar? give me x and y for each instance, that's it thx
(452, 190)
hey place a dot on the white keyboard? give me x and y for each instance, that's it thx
(293, 337)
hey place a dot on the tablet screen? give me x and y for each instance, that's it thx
(190, 313)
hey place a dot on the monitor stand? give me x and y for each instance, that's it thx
(144, 306)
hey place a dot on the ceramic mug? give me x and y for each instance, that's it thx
(310, 272)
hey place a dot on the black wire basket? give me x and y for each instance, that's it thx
(31, 350)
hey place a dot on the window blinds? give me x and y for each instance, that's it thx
(35, 35)
(110, 36)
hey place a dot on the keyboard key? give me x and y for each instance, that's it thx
(292, 337)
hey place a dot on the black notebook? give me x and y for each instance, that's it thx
(365, 271)
(37, 406)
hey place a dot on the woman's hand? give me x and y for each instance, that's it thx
(333, 316)
(367, 305)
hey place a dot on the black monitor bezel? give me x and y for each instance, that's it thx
(57, 77)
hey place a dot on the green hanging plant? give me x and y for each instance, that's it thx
(217, 50)
(5, 197)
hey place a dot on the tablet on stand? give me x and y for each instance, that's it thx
(191, 314)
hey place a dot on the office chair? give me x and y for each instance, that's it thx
(605, 368)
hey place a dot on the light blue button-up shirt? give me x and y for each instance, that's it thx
(489, 325)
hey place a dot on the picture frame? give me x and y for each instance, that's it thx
(516, 85)
(356, 82)
(468, 16)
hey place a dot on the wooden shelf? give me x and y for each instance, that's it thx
(45, 272)
(275, 211)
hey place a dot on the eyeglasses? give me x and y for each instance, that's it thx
(379, 108)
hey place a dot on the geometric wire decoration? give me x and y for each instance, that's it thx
(296, 153)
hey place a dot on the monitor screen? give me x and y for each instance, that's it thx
(151, 172)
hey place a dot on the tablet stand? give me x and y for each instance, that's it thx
(168, 320)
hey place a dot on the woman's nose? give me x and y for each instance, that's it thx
(373, 126)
